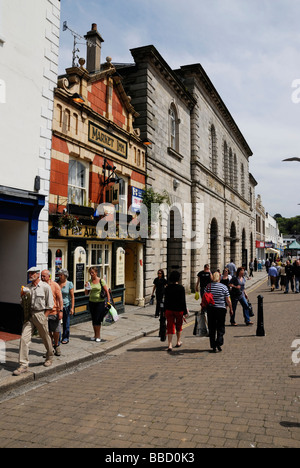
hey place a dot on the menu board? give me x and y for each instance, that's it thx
(79, 277)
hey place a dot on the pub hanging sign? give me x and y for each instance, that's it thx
(107, 140)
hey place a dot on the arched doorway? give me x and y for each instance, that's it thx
(214, 246)
(244, 250)
(233, 241)
(174, 243)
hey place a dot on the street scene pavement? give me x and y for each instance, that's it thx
(128, 392)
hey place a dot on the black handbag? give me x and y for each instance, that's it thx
(251, 314)
(103, 294)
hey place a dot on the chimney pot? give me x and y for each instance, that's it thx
(94, 27)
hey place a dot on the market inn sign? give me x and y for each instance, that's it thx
(107, 140)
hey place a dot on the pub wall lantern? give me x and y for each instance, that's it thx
(112, 177)
(77, 98)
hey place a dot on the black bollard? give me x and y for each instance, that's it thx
(260, 317)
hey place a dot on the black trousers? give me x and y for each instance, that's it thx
(216, 326)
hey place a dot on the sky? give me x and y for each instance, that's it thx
(250, 50)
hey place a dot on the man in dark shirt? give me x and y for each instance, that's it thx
(289, 270)
(204, 278)
(297, 275)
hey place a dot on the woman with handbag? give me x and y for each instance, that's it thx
(216, 296)
(98, 292)
(238, 294)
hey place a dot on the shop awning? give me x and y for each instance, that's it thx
(273, 251)
(293, 246)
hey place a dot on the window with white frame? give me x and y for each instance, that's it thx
(78, 183)
(99, 256)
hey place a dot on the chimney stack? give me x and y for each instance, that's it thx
(93, 55)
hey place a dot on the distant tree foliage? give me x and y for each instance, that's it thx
(288, 226)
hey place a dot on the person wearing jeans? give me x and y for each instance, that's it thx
(67, 289)
(238, 295)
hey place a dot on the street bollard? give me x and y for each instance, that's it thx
(260, 331)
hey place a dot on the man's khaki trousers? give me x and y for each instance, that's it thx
(40, 321)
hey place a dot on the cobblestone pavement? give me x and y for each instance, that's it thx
(140, 396)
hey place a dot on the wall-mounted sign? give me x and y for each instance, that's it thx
(137, 198)
(120, 266)
(260, 245)
(107, 140)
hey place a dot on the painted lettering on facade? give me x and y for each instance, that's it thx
(107, 140)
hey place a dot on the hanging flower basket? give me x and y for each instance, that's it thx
(68, 221)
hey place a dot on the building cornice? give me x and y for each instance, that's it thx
(205, 85)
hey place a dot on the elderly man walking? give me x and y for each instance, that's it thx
(56, 315)
(41, 305)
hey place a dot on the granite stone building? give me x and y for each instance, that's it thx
(201, 158)
(220, 177)
(164, 105)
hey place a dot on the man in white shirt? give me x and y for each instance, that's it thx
(41, 305)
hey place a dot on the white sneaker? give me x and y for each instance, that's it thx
(98, 340)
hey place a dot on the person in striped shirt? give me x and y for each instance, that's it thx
(216, 313)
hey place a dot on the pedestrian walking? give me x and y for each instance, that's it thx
(297, 275)
(98, 292)
(175, 309)
(204, 277)
(251, 268)
(67, 290)
(289, 271)
(160, 283)
(232, 268)
(273, 275)
(216, 313)
(239, 295)
(283, 277)
(56, 315)
(40, 307)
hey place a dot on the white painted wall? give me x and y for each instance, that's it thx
(29, 44)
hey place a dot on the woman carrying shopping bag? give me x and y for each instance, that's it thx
(216, 311)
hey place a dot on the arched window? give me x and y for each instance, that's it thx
(174, 128)
(235, 173)
(226, 163)
(213, 149)
(243, 180)
(231, 173)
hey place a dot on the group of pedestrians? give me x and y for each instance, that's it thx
(51, 305)
(285, 275)
(225, 292)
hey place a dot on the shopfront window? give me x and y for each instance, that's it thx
(56, 260)
(99, 256)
